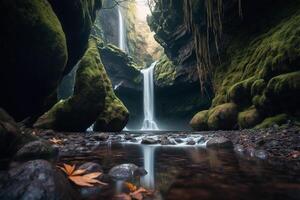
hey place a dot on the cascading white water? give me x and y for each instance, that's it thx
(149, 121)
(122, 43)
(148, 181)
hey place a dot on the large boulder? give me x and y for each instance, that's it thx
(36, 180)
(114, 116)
(223, 117)
(199, 121)
(33, 56)
(78, 112)
(126, 80)
(11, 138)
(93, 100)
(77, 18)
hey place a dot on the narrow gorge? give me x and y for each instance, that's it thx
(149, 99)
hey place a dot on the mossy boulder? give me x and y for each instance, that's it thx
(32, 62)
(114, 117)
(240, 93)
(274, 120)
(78, 112)
(127, 82)
(223, 117)
(248, 118)
(77, 18)
(199, 121)
(283, 91)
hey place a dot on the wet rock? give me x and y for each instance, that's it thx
(127, 136)
(36, 150)
(92, 192)
(91, 167)
(37, 180)
(219, 142)
(201, 140)
(149, 141)
(166, 141)
(116, 138)
(101, 136)
(239, 148)
(178, 140)
(126, 171)
(261, 154)
(133, 140)
(48, 133)
(191, 142)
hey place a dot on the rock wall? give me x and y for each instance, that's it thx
(177, 95)
(127, 81)
(41, 41)
(250, 56)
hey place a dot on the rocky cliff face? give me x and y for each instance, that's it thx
(247, 50)
(177, 95)
(127, 81)
(41, 42)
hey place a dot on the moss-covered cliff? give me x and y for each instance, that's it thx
(93, 100)
(250, 54)
(41, 41)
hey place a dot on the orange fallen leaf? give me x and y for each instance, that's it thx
(79, 178)
(138, 194)
(130, 186)
(55, 141)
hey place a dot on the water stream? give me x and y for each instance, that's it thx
(149, 121)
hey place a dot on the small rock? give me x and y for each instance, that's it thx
(48, 132)
(239, 148)
(191, 142)
(101, 136)
(178, 140)
(126, 171)
(133, 140)
(201, 140)
(36, 150)
(219, 142)
(149, 141)
(91, 167)
(166, 141)
(127, 136)
(261, 154)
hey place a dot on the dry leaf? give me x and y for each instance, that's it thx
(130, 186)
(79, 178)
(55, 141)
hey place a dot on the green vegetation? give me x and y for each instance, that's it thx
(165, 72)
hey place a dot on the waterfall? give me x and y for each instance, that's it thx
(148, 180)
(149, 122)
(122, 43)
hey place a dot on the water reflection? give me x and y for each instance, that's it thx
(148, 181)
(192, 173)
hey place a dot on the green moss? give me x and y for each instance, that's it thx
(223, 117)
(165, 72)
(199, 121)
(284, 90)
(267, 55)
(275, 120)
(249, 118)
(78, 112)
(114, 116)
(240, 93)
(258, 87)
